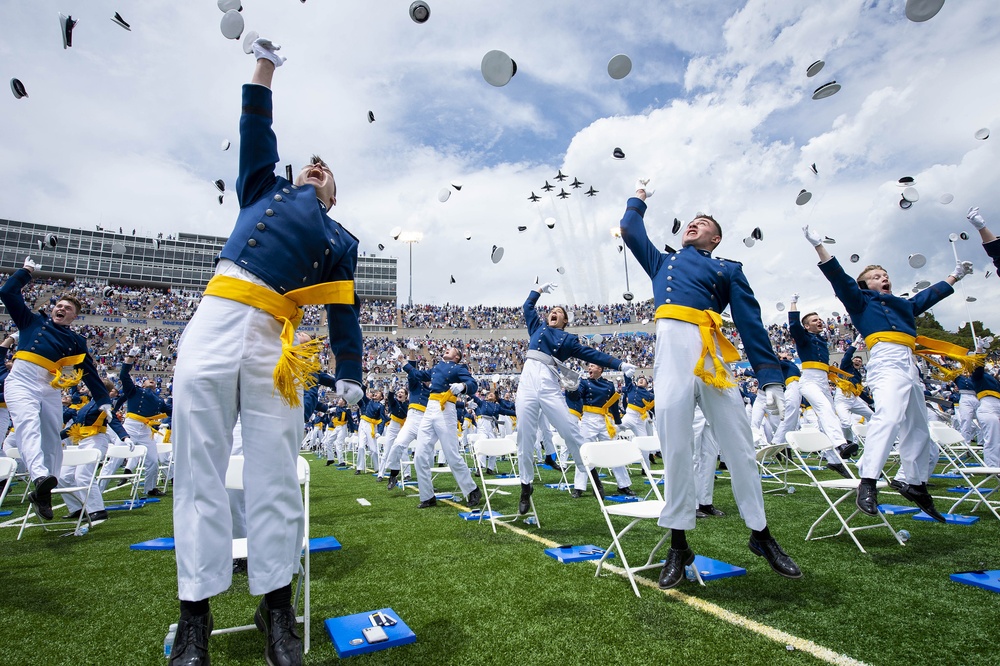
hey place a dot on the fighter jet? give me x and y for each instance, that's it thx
(562, 193)
(592, 192)
(547, 187)
(576, 183)
(534, 198)
(560, 176)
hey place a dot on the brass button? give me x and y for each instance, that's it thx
(269, 212)
(286, 190)
(277, 197)
(720, 272)
(260, 226)
(252, 242)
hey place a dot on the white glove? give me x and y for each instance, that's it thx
(628, 369)
(265, 48)
(547, 288)
(458, 388)
(795, 299)
(129, 443)
(643, 184)
(814, 238)
(858, 340)
(962, 268)
(412, 346)
(975, 218)
(349, 390)
(135, 351)
(16, 335)
(775, 399)
(108, 414)
(30, 265)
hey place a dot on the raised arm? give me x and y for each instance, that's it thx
(531, 316)
(633, 230)
(10, 295)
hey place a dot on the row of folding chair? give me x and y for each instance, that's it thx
(981, 480)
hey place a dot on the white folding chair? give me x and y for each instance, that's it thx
(766, 455)
(976, 477)
(72, 457)
(127, 479)
(499, 447)
(234, 481)
(8, 467)
(166, 471)
(617, 453)
(651, 444)
(25, 476)
(813, 441)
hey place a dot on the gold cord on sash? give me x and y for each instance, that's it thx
(605, 411)
(709, 324)
(78, 431)
(61, 380)
(930, 348)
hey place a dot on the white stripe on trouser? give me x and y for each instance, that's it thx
(440, 425)
(900, 412)
(676, 391)
(406, 436)
(538, 394)
(847, 408)
(36, 409)
(793, 409)
(80, 475)
(706, 451)
(989, 426)
(391, 434)
(225, 366)
(593, 428)
(140, 433)
(815, 387)
(968, 407)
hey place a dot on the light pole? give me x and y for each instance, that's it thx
(617, 233)
(410, 238)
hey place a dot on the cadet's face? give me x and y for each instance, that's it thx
(451, 355)
(557, 318)
(321, 178)
(642, 383)
(594, 371)
(813, 324)
(857, 362)
(149, 383)
(701, 233)
(878, 280)
(63, 313)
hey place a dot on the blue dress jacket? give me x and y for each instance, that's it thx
(558, 343)
(811, 347)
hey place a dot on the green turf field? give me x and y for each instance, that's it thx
(473, 597)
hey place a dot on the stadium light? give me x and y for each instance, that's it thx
(410, 238)
(617, 233)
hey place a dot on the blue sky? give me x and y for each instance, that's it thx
(124, 129)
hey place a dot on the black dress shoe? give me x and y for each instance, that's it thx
(41, 496)
(524, 503)
(709, 510)
(867, 499)
(191, 641)
(284, 645)
(597, 482)
(576, 493)
(99, 515)
(239, 566)
(673, 569)
(73, 516)
(426, 504)
(626, 491)
(330, 462)
(490, 472)
(475, 498)
(839, 469)
(919, 496)
(776, 557)
(356, 472)
(849, 450)
(155, 492)
(393, 482)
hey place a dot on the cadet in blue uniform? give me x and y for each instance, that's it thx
(639, 403)
(814, 384)
(238, 358)
(489, 411)
(968, 405)
(145, 410)
(988, 392)
(339, 416)
(417, 384)
(690, 289)
(372, 414)
(449, 379)
(397, 405)
(888, 323)
(601, 411)
(539, 392)
(44, 364)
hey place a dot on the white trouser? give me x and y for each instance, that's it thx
(391, 434)
(225, 366)
(539, 394)
(793, 409)
(899, 412)
(440, 425)
(706, 451)
(488, 429)
(36, 409)
(81, 475)
(763, 423)
(968, 407)
(336, 447)
(545, 434)
(140, 433)
(406, 436)
(367, 439)
(848, 407)
(4, 427)
(677, 391)
(632, 421)
(594, 428)
(815, 387)
(989, 426)
(505, 425)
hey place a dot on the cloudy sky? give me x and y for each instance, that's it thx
(124, 129)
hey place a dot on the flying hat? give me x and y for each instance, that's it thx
(749, 241)
(906, 181)
(618, 154)
(983, 133)
(396, 231)
(826, 90)
(371, 116)
(108, 291)
(156, 244)
(229, 5)
(381, 247)
(225, 144)
(829, 241)
(628, 296)
(288, 172)
(457, 184)
(904, 204)
(676, 227)
(17, 88)
(521, 229)
(814, 69)
(248, 41)
(117, 18)
(419, 11)
(498, 68)
(550, 222)
(947, 198)
(619, 66)
(922, 284)
(221, 197)
(444, 194)
(757, 234)
(51, 240)
(497, 254)
(919, 11)
(911, 194)
(231, 24)
(560, 270)
(66, 24)
(855, 258)
(780, 307)
(468, 236)
(916, 260)
(220, 185)
(812, 167)
(803, 197)
(970, 299)
(452, 280)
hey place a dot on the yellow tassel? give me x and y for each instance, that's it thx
(74, 433)
(297, 366)
(62, 381)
